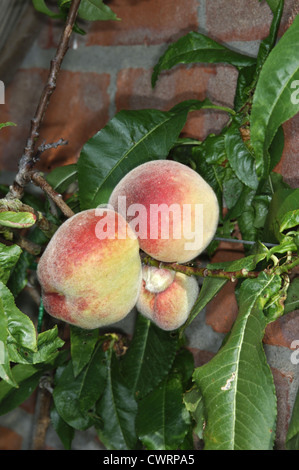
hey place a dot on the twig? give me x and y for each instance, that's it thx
(43, 147)
(202, 272)
(220, 273)
(42, 413)
(37, 179)
(27, 160)
(28, 245)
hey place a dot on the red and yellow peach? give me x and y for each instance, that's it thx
(166, 297)
(177, 209)
(88, 280)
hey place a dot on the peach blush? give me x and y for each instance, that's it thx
(87, 281)
(181, 210)
(168, 308)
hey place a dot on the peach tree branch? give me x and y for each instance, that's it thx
(27, 160)
(220, 273)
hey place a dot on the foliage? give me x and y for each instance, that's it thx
(145, 393)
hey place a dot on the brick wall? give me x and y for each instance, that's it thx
(109, 69)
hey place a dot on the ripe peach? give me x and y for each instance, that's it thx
(90, 272)
(166, 297)
(177, 210)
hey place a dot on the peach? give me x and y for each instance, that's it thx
(177, 210)
(166, 297)
(90, 272)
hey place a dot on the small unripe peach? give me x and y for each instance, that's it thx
(171, 208)
(166, 297)
(90, 272)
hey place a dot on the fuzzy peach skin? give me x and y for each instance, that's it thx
(168, 185)
(88, 279)
(166, 297)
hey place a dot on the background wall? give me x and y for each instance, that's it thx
(109, 69)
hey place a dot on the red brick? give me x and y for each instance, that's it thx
(240, 20)
(290, 158)
(283, 331)
(201, 357)
(29, 404)
(282, 382)
(134, 91)
(21, 98)
(78, 109)
(50, 34)
(9, 440)
(237, 20)
(147, 22)
(290, 11)
(222, 310)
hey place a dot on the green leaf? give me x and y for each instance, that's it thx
(239, 156)
(75, 396)
(9, 256)
(17, 219)
(195, 48)
(232, 188)
(65, 396)
(129, 139)
(82, 346)
(117, 409)
(292, 300)
(26, 378)
(292, 437)
(282, 212)
(237, 384)
(212, 285)
(193, 401)
(94, 377)
(19, 276)
(149, 357)
(6, 124)
(183, 365)
(289, 220)
(5, 371)
(162, 421)
(268, 43)
(244, 85)
(20, 329)
(94, 10)
(286, 244)
(61, 177)
(274, 99)
(65, 432)
(41, 6)
(214, 176)
(197, 105)
(276, 148)
(244, 201)
(273, 4)
(48, 344)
